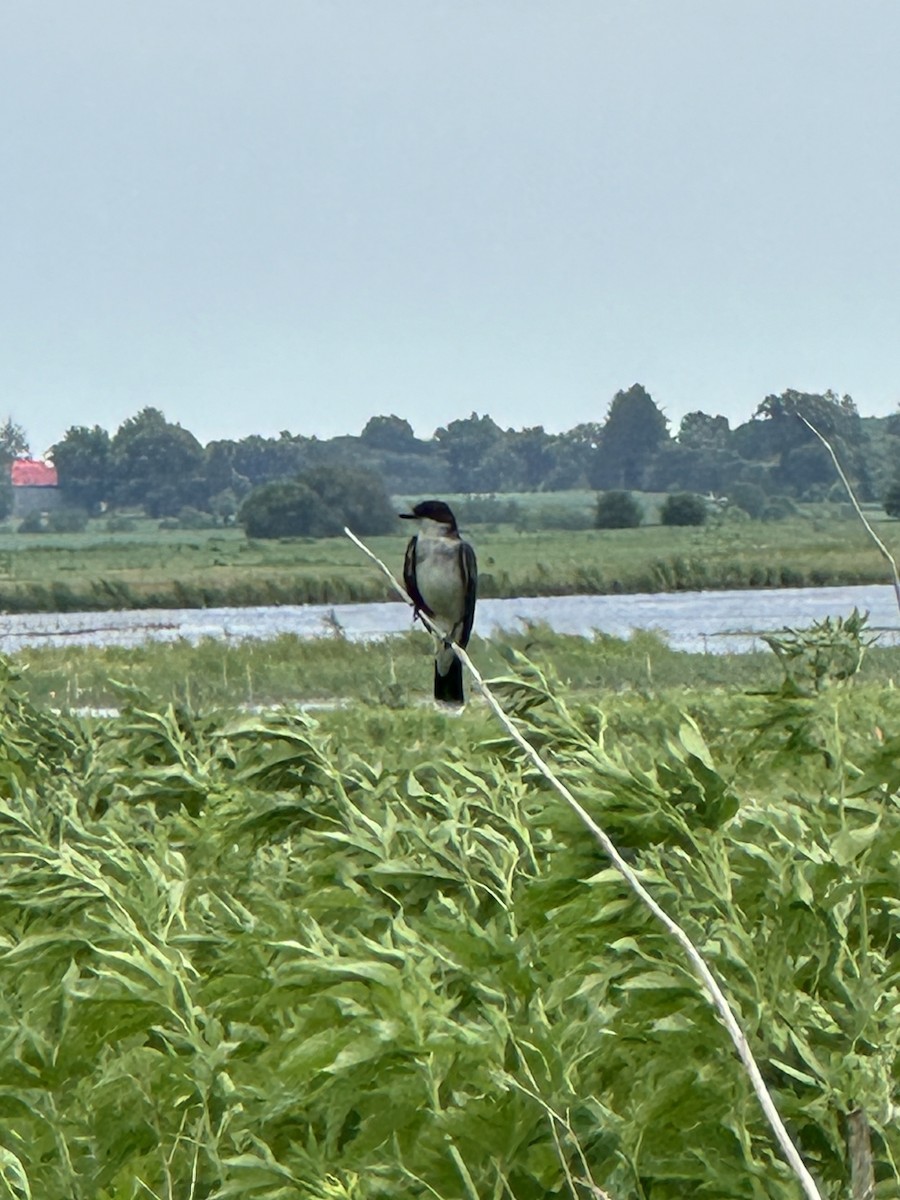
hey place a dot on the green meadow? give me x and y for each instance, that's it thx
(392, 672)
(539, 553)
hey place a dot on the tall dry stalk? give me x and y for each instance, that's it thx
(859, 512)
(710, 984)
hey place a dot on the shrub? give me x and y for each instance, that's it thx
(287, 508)
(748, 496)
(67, 520)
(683, 508)
(195, 518)
(779, 508)
(617, 510)
(118, 523)
(33, 522)
(891, 502)
(61, 520)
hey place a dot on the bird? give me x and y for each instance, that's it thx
(441, 576)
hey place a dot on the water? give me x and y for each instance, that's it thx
(714, 622)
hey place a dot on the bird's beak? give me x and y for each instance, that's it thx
(407, 516)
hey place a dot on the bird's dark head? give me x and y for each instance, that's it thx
(434, 511)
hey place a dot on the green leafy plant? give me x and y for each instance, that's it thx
(370, 956)
(827, 652)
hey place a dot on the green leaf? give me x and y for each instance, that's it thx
(851, 843)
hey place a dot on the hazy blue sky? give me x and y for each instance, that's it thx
(294, 214)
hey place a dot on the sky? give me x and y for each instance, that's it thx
(297, 214)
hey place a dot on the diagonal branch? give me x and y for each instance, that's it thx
(859, 512)
(701, 969)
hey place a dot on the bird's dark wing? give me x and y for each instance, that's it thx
(469, 567)
(409, 579)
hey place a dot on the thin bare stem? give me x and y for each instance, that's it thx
(711, 985)
(394, 582)
(859, 512)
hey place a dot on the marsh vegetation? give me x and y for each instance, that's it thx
(367, 954)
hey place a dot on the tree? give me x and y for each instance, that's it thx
(13, 442)
(84, 465)
(634, 431)
(802, 460)
(832, 415)
(389, 433)
(532, 450)
(466, 445)
(219, 470)
(699, 431)
(676, 467)
(157, 464)
(517, 461)
(617, 510)
(808, 467)
(574, 454)
(258, 459)
(683, 508)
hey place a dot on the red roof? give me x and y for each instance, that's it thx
(30, 472)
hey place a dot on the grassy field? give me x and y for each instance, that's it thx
(391, 673)
(149, 567)
(394, 672)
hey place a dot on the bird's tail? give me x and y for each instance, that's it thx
(448, 688)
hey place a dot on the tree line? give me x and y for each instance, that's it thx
(159, 466)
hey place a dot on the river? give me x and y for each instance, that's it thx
(714, 622)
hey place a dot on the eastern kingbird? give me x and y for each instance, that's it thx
(441, 576)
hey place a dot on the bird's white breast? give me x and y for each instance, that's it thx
(438, 577)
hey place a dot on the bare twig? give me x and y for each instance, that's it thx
(395, 583)
(711, 985)
(859, 512)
